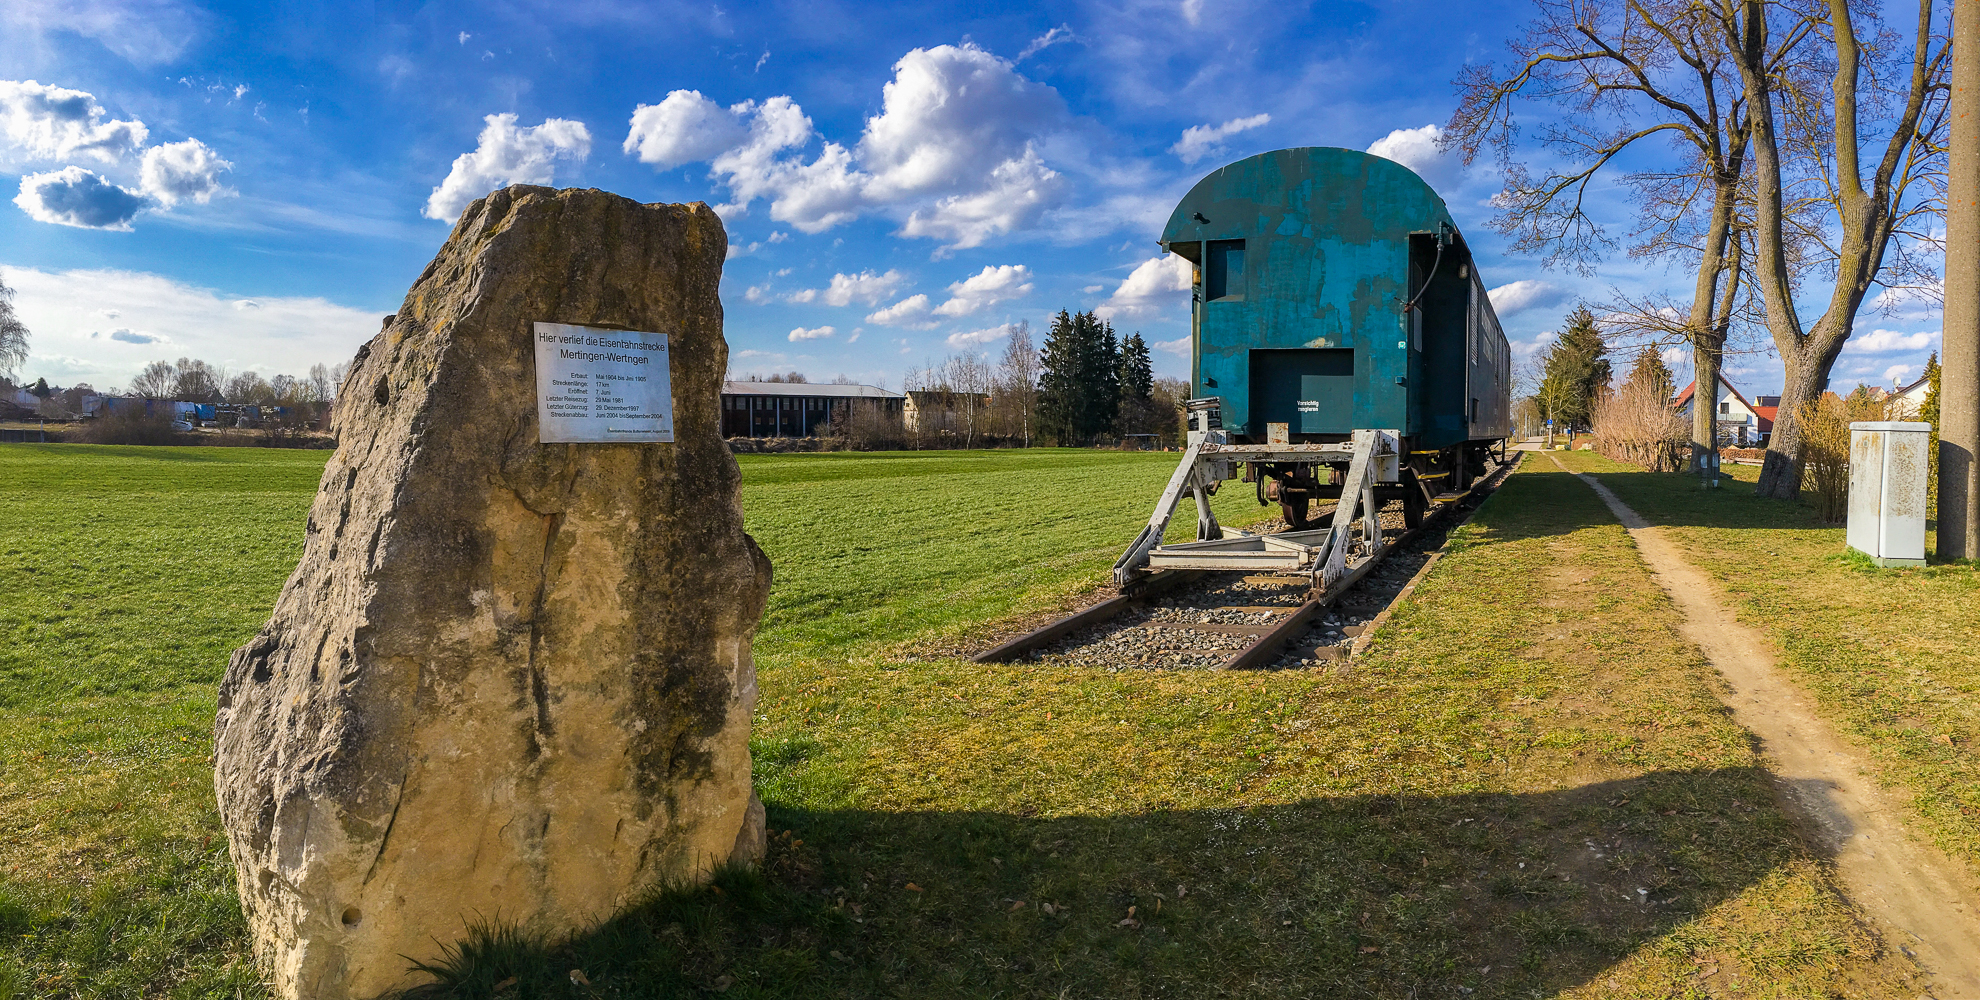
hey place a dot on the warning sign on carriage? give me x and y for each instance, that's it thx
(1309, 406)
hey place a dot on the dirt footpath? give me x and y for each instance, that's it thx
(1921, 898)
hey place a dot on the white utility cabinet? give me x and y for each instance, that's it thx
(1887, 466)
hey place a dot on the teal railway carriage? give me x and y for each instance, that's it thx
(1336, 310)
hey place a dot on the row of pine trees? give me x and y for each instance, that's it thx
(1094, 384)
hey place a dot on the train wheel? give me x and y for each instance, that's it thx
(1295, 514)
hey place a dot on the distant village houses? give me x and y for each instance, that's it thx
(1909, 400)
(1744, 424)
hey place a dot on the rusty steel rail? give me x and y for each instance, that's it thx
(1016, 649)
(1271, 643)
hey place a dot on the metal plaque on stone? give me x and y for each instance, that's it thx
(596, 385)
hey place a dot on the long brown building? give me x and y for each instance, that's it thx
(795, 409)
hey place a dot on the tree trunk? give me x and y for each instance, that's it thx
(1780, 473)
(1864, 217)
(1705, 357)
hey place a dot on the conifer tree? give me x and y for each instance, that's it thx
(1137, 371)
(1929, 413)
(1058, 381)
(1079, 383)
(1649, 369)
(1577, 369)
(1104, 370)
(1137, 382)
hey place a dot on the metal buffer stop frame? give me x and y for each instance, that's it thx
(1332, 556)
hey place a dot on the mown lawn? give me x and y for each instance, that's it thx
(1528, 787)
(1888, 653)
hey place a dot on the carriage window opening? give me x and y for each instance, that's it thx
(1224, 279)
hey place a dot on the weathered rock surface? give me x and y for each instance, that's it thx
(508, 681)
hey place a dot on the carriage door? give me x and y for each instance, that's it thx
(1312, 391)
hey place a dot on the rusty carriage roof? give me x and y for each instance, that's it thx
(1315, 211)
(1327, 248)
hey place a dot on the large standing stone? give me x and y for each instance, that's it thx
(508, 681)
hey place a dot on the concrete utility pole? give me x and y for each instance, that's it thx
(1959, 386)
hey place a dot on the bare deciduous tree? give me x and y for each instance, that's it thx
(1813, 115)
(968, 379)
(156, 380)
(1017, 381)
(1623, 73)
(196, 381)
(13, 335)
(1773, 105)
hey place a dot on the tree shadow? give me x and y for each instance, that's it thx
(1390, 895)
(1570, 503)
(1677, 499)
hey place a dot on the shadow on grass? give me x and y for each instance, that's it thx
(1676, 499)
(1393, 895)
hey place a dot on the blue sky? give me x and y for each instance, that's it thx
(257, 184)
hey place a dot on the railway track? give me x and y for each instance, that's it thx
(1231, 620)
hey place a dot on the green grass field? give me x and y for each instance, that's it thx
(1888, 653)
(1528, 789)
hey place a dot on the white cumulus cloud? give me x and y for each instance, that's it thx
(845, 289)
(973, 339)
(684, 128)
(1014, 193)
(1517, 297)
(1199, 141)
(1895, 374)
(911, 311)
(953, 150)
(1180, 345)
(1527, 348)
(1154, 284)
(506, 154)
(76, 197)
(1416, 148)
(66, 311)
(815, 333)
(42, 122)
(995, 283)
(182, 171)
(1883, 341)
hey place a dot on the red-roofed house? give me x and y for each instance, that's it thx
(1911, 398)
(1740, 422)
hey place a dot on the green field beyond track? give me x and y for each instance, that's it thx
(127, 576)
(1528, 789)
